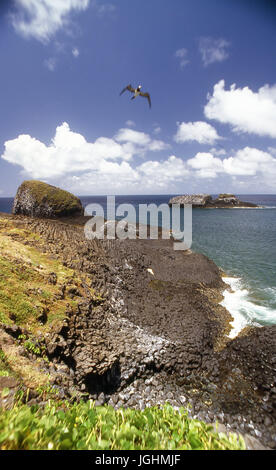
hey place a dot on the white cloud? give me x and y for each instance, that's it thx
(75, 52)
(139, 140)
(213, 50)
(41, 19)
(246, 162)
(122, 178)
(160, 174)
(245, 110)
(103, 8)
(181, 54)
(99, 166)
(108, 165)
(250, 161)
(199, 131)
(272, 150)
(50, 63)
(206, 165)
(69, 152)
(157, 130)
(130, 123)
(135, 137)
(217, 152)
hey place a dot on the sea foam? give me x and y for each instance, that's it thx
(244, 311)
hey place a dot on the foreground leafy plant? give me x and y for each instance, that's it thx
(83, 426)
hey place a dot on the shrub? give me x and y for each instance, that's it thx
(85, 426)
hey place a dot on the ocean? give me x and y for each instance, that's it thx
(241, 241)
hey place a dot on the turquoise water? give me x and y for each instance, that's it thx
(241, 241)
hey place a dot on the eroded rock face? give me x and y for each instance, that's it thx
(38, 199)
(223, 201)
(151, 333)
(197, 200)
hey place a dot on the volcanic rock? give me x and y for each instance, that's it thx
(38, 199)
(223, 201)
(197, 200)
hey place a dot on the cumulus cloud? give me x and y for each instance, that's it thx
(135, 137)
(41, 19)
(246, 162)
(217, 152)
(69, 152)
(140, 141)
(161, 174)
(245, 110)
(272, 150)
(151, 175)
(199, 131)
(108, 164)
(182, 54)
(206, 165)
(213, 50)
(102, 165)
(250, 161)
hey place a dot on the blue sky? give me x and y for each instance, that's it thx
(209, 67)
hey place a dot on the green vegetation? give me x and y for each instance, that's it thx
(84, 426)
(26, 294)
(5, 369)
(30, 296)
(58, 199)
(21, 297)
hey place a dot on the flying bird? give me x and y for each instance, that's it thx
(137, 92)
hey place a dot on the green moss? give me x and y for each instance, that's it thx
(26, 294)
(5, 370)
(58, 199)
(23, 296)
(16, 304)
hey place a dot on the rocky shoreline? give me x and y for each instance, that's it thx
(206, 201)
(155, 332)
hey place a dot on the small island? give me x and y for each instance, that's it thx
(223, 201)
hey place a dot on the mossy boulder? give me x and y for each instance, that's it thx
(38, 199)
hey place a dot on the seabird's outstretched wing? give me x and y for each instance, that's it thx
(129, 88)
(146, 95)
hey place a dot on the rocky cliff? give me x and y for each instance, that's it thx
(38, 199)
(131, 323)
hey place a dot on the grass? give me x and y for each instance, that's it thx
(58, 199)
(24, 288)
(82, 426)
(24, 293)
(29, 300)
(5, 370)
